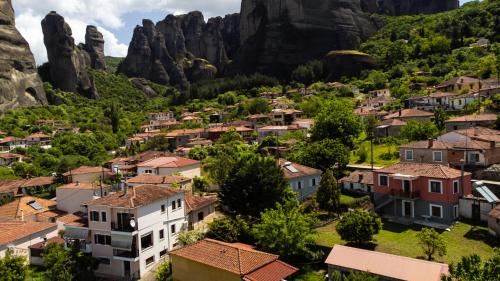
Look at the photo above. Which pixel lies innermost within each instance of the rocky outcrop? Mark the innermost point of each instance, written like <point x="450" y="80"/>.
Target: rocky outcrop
<point x="168" y="52"/>
<point x="19" y="81"/>
<point x="408" y="7"/>
<point x="346" y="63"/>
<point x="68" y="65"/>
<point x="94" y="46"/>
<point x="277" y="35"/>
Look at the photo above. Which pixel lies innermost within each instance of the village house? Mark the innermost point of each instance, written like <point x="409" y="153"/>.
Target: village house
<point x="458" y="84"/>
<point x="410" y="114"/>
<point x="258" y="119"/>
<point x="470" y="121"/>
<point x="10" y="143"/>
<point x="17" y="236"/>
<point x="458" y="102"/>
<point x="170" y="165"/>
<point x="385" y="266"/>
<point x="128" y="165"/>
<point x="156" y="116"/>
<point x="88" y="174"/>
<point x="215" y="133"/>
<point x="380" y="93"/>
<point x="432" y="101"/>
<point x="71" y="197"/>
<point x="365" y="111"/>
<point x="278" y="131"/>
<point x="304" y="123"/>
<point x="379" y="101"/>
<point x="40" y="139"/>
<point x="7" y="159"/>
<point x="303" y="180"/>
<point x="163" y="181"/>
<point x="161" y="124"/>
<point x="199" y="211"/>
<point x="284" y="117"/>
<point x="26" y="208"/>
<point x="212" y="260"/>
<point x="419" y="192"/>
<point x="13" y="188"/>
<point x="132" y="230"/>
<point x="36" y="250"/>
<point x="494" y="221"/>
<point x="389" y="128"/>
<point x="181" y="137"/>
<point x="358" y="181"/>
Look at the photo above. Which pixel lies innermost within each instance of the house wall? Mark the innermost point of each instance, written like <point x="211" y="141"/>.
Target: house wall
<point x="187" y="270"/>
<point x="466" y="208"/>
<point x="423" y="156"/>
<point x="187" y="171"/>
<point x="21" y="245"/>
<point x="356" y="186"/>
<point x="494" y="226"/>
<point x="208" y="214"/>
<point x="70" y="200"/>
<point x="307" y="187"/>
<point x="89" y="177"/>
<point x="452" y="126"/>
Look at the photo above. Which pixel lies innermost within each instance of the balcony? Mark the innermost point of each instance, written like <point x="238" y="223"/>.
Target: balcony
<point x="132" y="255"/>
<point x="401" y="194"/>
<point x="122" y="227"/>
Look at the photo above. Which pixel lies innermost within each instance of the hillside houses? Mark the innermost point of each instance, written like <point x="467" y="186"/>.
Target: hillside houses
<point x="470" y="121"/>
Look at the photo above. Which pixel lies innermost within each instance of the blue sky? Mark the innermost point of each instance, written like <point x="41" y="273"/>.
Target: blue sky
<point x="116" y="19"/>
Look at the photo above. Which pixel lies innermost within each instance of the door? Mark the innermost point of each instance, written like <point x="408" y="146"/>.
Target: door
<point x="476" y="212"/>
<point x="406" y="187"/>
<point x="408" y="209"/>
<point x="126" y="268"/>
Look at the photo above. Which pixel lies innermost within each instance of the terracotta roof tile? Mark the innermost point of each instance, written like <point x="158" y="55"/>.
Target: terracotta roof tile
<point x="82" y="185"/>
<point x="225" y="256"/>
<point x="41" y="245"/>
<point x="435" y="144"/>
<point x="168" y="162"/>
<point x="194" y="203"/>
<point x="76" y="219"/>
<point x="87" y="170"/>
<point x="302" y="171"/>
<point x="473" y="118"/>
<point x="408" y="113"/>
<point x="24" y="206"/>
<point x="423" y="170"/>
<point x="364" y="177"/>
<point x="275" y="271"/>
<point x="135" y="196"/>
<point x="154" y="179"/>
<point x="12" y="231"/>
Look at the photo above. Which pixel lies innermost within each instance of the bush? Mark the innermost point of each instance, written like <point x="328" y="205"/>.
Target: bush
<point x="359" y="226"/>
<point x="362" y="154"/>
<point x="164" y="272"/>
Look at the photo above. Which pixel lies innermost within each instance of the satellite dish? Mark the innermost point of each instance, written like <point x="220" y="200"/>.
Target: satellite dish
<point x="132" y="223"/>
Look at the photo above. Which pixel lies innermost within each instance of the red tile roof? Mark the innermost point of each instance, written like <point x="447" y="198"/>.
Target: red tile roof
<point x="422" y="170"/>
<point x="11" y="156"/>
<point x="168" y="162"/>
<point x="16" y="230"/>
<point x="408" y="113"/>
<point x="154" y="179"/>
<point x="135" y="196"/>
<point x="302" y="171"/>
<point x="194" y="203"/>
<point x="275" y="271"/>
<point x="235" y="258"/>
<point x="16" y="185"/>
<point x="435" y="144"/>
<point x="21" y="207"/>
<point x="41" y="245"/>
<point x="87" y="170"/>
<point x="364" y="177"/>
<point x="474" y="118"/>
<point x="76" y="219"/>
<point x="82" y="185"/>
<point x="386" y="265"/>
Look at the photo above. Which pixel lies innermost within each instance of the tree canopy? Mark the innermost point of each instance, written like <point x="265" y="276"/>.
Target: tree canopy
<point x="359" y="226"/>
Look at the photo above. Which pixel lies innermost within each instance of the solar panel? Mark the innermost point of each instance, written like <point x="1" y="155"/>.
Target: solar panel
<point x="35" y="205"/>
<point x="291" y="168"/>
<point x="486" y="193"/>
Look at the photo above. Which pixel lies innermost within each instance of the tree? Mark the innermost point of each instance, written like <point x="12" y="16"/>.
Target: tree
<point x="164" y="272"/>
<point x="321" y="155"/>
<point x="253" y="184"/>
<point x="473" y="268"/>
<point x="157" y="143"/>
<point x="13" y="268"/>
<point x="189" y="237"/>
<point x="200" y="184"/>
<point x="228" y="229"/>
<point x="113" y="113"/>
<point x="336" y="122"/>
<point x="359" y="226"/>
<point x="286" y="231"/>
<point x="418" y="131"/>
<point x="440" y="117"/>
<point x="431" y="242"/>
<point x="58" y="262"/>
<point x="328" y="195"/>
<point x="230" y="136"/>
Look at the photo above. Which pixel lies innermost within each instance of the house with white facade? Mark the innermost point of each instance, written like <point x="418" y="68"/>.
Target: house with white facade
<point x="303" y="180"/>
<point x="170" y="165"/>
<point x="132" y="230"/>
<point x="17" y="236"/>
<point x="72" y="196"/>
<point x="358" y="181"/>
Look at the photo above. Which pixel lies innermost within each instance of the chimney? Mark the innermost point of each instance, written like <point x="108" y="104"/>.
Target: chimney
<point x="431" y="142"/>
<point x="400" y="112"/>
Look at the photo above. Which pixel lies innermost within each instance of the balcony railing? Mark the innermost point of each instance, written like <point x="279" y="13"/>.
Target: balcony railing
<point x="134" y="253"/>
<point x="122" y="228"/>
<point x="405" y="194"/>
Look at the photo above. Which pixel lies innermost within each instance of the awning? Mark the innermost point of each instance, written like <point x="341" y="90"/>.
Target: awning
<point x="76" y="233"/>
<point x="121" y="242"/>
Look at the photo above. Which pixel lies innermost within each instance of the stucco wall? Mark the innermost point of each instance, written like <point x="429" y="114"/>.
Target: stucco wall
<point x="187" y="270"/>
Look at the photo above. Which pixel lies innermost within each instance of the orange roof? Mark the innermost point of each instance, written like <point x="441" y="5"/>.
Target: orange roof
<point x="154" y="179"/>
<point x="26" y="205"/>
<point x="225" y="256"/>
<point x="408" y="113"/>
<point x="423" y="170"/>
<point x="75" y="219"/>
<point x="225" y="129"/>
<point x="168" y="162"/>
<point x="38" y="135"/>
<point x="364" y="177"/>
<point x="87" y="170"/>
<point x="194" y="203"/>
<point x="41" y="245"/>
<point x="275" y="271"/>
<point x="15" y="185"/>
<point x="136" y="196"/>
<point x="386" y="265"/>
<point x="474" y="118"/>
<point x="82" y="185"/>
<point x="17" y="230"/>
<point x="301" y="170"/>
<point x="281" y="128"/>
<point x="286" y="111"/>
<point x="434" y="144"/>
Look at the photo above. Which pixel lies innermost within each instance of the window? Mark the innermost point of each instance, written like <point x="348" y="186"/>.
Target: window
<point x="147" y="241"/>
<point x="383" y="180"/>
<point x="436" y="211"/>
<point x="173" y="205"/>
<point x="313" y="182"/>
<point x="102" y="239"/>
<point x="409" y="155"/>
<point x="435" y="187"/>
<point x="162" y="234"/>
<point x="103" y="216"/>
<point x="474" y="157"/>
<point x="104" y="261"/>
<point x="94" y="216"/>
<point x="163" y="208"/>
<point x="172" y="228"/>
<point x="455" y="187"/>
<point x="163" y="253"/>
<point x="437" y="156"/>
<point x="200" y="216"/>
<point x="150" y="260"/>
<point x="299" y="185"/>
<point x="148" y="171"/>
<point x="179" y="203"/>
<point x="455" y="212"/>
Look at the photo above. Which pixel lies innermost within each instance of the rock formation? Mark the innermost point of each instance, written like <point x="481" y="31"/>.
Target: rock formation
<point x="19" y="81"/>
<point x="408" y="7"/>
<point x="348" y="63"/>
<point x="68" y="64"/>
<point x="94" y="46"/>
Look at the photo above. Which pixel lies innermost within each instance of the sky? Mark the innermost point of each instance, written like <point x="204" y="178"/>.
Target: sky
<point x="115" y="19"/>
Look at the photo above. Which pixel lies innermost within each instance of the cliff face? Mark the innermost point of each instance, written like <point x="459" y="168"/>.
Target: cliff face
<point x="68" y="63"/>
<point x="277" y="35"/>
<point x="94" y="46"/>
<point x="19" y="81"/>
<point x="167" y="53"/>
<point x="408" y="7"/>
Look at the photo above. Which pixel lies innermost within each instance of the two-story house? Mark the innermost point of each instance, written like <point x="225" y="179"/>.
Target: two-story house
<point x="458" y="84"/>
<point x="130" y="231"/>
<point x="470" y="121"/>
<point x="420" y="192"/>
<point x="87" y="174"/>
<point x="170" y="165"/>
<point x="284" y="117"/>
<point x="303" y="180"/>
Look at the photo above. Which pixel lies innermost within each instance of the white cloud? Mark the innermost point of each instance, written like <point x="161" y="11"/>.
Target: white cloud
<point x="107" y="15"/>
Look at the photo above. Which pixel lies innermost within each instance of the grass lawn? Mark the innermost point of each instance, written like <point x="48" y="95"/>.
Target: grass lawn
<point x="378" y="150"/>
<point x="398" y="239"/>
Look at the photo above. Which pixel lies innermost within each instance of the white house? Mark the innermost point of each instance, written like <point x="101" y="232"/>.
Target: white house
<point x="18" y="236"/>
<point x="72" y="196"/>
<point x="303" y="180"/>
<point x="170" y="165"/>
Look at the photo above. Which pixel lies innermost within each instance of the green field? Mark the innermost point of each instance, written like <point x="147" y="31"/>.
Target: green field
<point x="378" y="151"/>
<point x="462" y="240"/>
